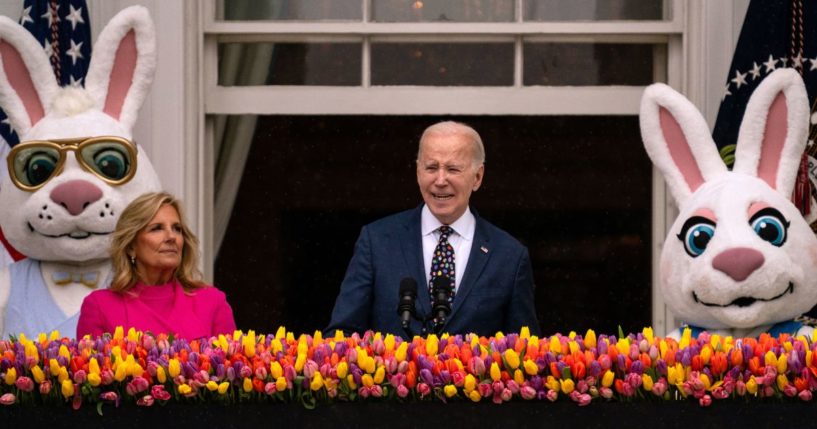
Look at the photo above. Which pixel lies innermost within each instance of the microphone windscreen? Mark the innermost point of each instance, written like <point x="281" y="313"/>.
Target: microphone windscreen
<point x="408" y="286"/>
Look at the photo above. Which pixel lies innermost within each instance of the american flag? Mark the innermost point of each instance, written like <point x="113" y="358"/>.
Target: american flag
<point x="63" y="29"/>
<point x="775" y="34"/>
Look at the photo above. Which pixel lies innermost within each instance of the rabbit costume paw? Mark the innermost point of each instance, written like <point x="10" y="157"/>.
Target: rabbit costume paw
<point x="74" y="171"/>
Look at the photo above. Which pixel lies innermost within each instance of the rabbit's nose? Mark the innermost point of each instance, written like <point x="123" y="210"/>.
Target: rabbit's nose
<point x="75" y="195"/>
<point x="738" y="263"/>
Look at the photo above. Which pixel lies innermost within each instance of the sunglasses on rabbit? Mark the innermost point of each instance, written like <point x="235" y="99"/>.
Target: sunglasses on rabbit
<point x="33" y="163"/>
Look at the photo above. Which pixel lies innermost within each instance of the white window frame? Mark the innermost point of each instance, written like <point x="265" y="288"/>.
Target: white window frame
<point x="176" y="125"/>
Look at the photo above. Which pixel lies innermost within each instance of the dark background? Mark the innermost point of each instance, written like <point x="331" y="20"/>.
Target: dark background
<point x="575" y="190"/>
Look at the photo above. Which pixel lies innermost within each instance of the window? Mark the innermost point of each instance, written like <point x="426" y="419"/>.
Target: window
<point x="314" y="109"/>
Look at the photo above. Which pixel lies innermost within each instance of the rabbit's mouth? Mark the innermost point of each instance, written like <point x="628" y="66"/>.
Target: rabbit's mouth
<point x="76" y="235"/>
<point x="745" y="301"/>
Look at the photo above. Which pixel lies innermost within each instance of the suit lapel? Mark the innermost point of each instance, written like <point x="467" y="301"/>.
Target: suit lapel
<point x="412" y="245"/>
<point x="477" y="260"/>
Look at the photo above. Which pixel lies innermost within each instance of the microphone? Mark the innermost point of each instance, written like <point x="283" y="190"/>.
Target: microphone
<point x="405" y="307"/>
<point x="441" y="308"/>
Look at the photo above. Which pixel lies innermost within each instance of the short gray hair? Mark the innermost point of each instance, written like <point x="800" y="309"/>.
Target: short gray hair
<point x="447" y="128"/>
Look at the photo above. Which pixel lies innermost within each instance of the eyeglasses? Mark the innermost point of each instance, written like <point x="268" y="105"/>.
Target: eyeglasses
<point x="33" y="163"/>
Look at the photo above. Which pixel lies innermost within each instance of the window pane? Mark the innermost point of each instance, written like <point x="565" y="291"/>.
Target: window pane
<point x="593" y="10"/>
<point x="557" y="64"/>
<point x="442" y="10"/>
<point x="575" y="190"/>
<point x="280" y="10"/>
<point x="243" y="64"/>
<point x="442" y="64"/>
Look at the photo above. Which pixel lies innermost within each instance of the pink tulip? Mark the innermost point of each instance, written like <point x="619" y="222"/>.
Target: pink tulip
<point x="402" y="391"/>
<point x="705" y="401"/>
<point x="270" y="389"/>
<point x="805" y="395"/>
<point x="485" y="389"/>
<point x="145" y="401"/>
<point x="8" y="399"/>
<point x="606" y="392"/>
<point x="376" y="391"/>
<point x="552" y="395"/>
<point x="363" y="392"/>
<point x="790" y="390"/>
<point x="25" y="384"/>
<point x="423" y="389"/>
<point x="45" y="387"/>
<point x="527" y="392"/>
<point x="158" y="391"/>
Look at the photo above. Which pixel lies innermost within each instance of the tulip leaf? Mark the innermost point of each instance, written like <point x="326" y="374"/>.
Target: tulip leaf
<point x="308" y="400"/>
<point x="566" y="373"/>
<point x="99" y="408"/>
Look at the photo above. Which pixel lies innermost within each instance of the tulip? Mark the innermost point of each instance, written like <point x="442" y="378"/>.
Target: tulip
<point x="567" y="386"/>
<point x="145" y="401"/>
<point x="423" y="389"/>
<point x="450" y="390"/>
<point x="67" y="388"/>
<point x="506" y="395"/>
<point x="11" y="376"/>
<point x="474" y="396"/>
<point x="174" y="368"/>
<point x="223" y="387"/>
<point x="25" y="384"/>
<point x="8" y="399"/>
<point x="38" y="374"/>
<point x="805" y="395"/>
<point x="751" y="386"/>
<point x="495" y="373"/>
<point x="705" y="401"/>
<point x="184" y="389"/>
<point x="247" y="385"/>
<point x="608" y="378"/>
<point x="552" y="395"/>
<point x="45" y="387"/>
<point x="80" y="377"/>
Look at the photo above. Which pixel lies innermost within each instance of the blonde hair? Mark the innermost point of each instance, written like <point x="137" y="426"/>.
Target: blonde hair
<point x="136" y="217"/>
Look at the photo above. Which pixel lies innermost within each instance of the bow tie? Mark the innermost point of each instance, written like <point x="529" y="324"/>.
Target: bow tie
<point x="90" y="278"/>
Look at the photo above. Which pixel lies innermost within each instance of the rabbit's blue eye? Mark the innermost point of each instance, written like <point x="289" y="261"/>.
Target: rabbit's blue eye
<point x="696" y="234"/>
<point x="39" y="168"/>
<point x="770" y="225"/>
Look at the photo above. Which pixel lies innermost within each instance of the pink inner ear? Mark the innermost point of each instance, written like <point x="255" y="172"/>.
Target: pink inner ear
<point x="121" y="75"/>
<point x="20" y="80"/>
<point x="774" y="138"/>
<point x="679" y="150"/>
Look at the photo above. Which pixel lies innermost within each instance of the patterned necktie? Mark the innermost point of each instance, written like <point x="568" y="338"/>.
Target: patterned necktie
<point x="442" y="262"/>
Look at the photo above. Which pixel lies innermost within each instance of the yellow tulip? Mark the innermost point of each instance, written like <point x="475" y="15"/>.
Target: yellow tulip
<point x="782" y="381"/>
<point x="275" y="369"/>
<point x="519" y="377"/>
<point x="94" y="379"/>
<point x="55" y="335"/>
<point x="11" y="376"/>
<point x="662" y="348"/>
<point x="555" y="345"/>
<point x="212" y="386"/>
<point x="686" y="337"/>
<point x="623" y="346"/>
<point x="290" y="338"/>
<point x="567" y="386"/>
<point x="93" y="366"/>
<point x="132" y="337"/>
<point x="118" y="333"/>
<point x="42" y="338"/>
<point x="222" y="342"/>
<point x="751" y="385"/>
<point x="317" y="338"/>
<point x="174" y="367"/>
<point x="530" y="367"/>
<point x="317" y="381"/>
<point x="706" y="353"/>
<point x="608" y="378"/>
<point x="342" y="370"/>
<point x="54" y="366"/>
<point x="367" y="380"/>
<point x="300" y="361"/>
<point x="450" y="390"/>
<point x="716" y="342"/>
<point x="782" y="364"/>
<point x="39" y="375"/>
<point x="533" y="342"/>
<point x="280" y="384"/>
<point x="247" y="384"/>
<point x="184" y="389"/>
<point x="249" y="344"/>
<point x="389" y="342"/>
<point x="400" y="353"/>
<point x="590" y="338"/>
<point x="474" y="340"/>
<point x="647" y="382"/>
<point x="770" y="358"/>
<point x="379" y="374"/>
<point x="495" y="373"/>
<point x="32" y="352"/>
<point x="705" y="379"/>
<point x="552" y="383"/>
<point x="161" y="375"/>
<point x="499" y="335"/>
<point x="573" y="346"/>
<point x="524" y="332"/>
<point x="809" y="355"/>
<point x="67" y="388"/>
<point x="339" y="337"/>
<point x="470" y="383"/>
<point x="223" y="387"/>
<point x="64" y="352"/>
<point x="648" y="334"/>
<point x="571" y="335"/>
<point x="512" y="358"/>
<point x="350" y="380"/>
<point x="431" y="345"/>
<point x="368" y="365"/>
<point x="475" y="396"/>
<point x="120" y="373"/>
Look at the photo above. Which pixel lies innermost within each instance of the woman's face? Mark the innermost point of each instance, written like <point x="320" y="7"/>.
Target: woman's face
<point x="158" y="246"/>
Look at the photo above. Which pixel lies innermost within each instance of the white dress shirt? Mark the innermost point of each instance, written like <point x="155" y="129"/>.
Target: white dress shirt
<point x="460" y="239"/>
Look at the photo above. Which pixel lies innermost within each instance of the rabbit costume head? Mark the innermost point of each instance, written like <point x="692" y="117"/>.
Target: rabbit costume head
<point x="76" y="167"/>
<point x="739" y="255"/>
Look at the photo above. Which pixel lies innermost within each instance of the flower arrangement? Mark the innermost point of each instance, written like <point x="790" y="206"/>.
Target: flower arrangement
<point x="146" y="369"/>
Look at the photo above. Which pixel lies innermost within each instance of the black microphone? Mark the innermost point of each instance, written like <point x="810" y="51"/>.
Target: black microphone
<point x="441" y="308"/>
<point x="405" y="307"/>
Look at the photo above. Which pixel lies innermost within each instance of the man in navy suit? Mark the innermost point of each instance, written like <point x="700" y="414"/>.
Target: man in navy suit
<point x="486" y="272"/>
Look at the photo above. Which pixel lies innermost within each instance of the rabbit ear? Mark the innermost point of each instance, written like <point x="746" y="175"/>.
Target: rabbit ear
<point x="122" y="65"/>
<point x="27" y="84"/>
<point x="774" y="131"/>
<point x="677" y="140"/>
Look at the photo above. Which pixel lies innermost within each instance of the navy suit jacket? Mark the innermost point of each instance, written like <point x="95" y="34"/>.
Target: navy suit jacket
<point x="495" y="294"/>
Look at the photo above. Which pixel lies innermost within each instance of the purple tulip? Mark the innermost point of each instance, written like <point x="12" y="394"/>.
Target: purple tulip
<point x="426" y="376"/>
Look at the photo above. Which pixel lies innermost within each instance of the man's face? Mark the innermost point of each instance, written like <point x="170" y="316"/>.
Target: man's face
<point x="447" y="176"/>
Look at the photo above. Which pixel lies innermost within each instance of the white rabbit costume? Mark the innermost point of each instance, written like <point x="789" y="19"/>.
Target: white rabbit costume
<point x="739" y="259"/>
<point x="64" y="226"/>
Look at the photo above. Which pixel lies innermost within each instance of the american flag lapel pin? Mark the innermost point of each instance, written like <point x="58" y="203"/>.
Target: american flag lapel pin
<point x="484" y="249"/>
